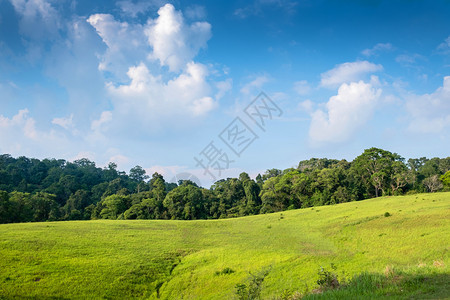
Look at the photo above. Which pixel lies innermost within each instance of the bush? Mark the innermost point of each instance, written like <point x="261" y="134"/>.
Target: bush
<point x="225" y="271"/>
<point x="251" y="290"/>
<point x="328" y="279"/>
<point x="387" y="214"/>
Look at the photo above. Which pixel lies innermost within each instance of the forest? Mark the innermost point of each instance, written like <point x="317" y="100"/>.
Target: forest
<point x="33" y="190"/>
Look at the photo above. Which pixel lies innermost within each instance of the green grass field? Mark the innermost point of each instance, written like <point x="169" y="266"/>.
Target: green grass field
<point x="180" y="259"/>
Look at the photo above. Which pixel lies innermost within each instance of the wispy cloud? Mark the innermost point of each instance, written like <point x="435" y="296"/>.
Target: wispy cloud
<point x="255" y="84"/>
<point x="348" y="72"/>
<point x="302" y="87"/>
<point x="259" y="6"/>
<point x="444" y="47"/>
<point x="377" y="49"/>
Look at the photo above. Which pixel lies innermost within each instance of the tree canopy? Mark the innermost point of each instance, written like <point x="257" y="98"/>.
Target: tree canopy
<point x="55" y="189"/>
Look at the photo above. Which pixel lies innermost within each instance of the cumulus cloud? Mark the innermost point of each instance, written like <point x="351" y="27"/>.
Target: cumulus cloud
<point x="126" y="43"/>
<point x="351" y="108"/>
<point x="163" y="82"/>
<point x="148" y="96"/>
<point x="348" y="72"/>
<point x="380" y="47"/>
<point x="174" y="42"/>
<point x="430" y="113"/>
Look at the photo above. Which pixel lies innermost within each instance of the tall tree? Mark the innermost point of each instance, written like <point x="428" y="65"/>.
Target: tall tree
<point x="374" y="168"/>
<point x="138" y="174"/>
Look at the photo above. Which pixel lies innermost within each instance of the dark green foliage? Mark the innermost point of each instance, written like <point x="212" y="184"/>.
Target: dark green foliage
<point x="387" y="214"/>
<point x="252" y="289"/>
<point x="50" y="189"/>
<point x="328" y="279"/>
<point x="5" y="207"/>
<point x="225" y="271"/>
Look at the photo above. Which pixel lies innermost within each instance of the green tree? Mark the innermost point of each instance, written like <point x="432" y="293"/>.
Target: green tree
<point x="185" y="202"/>
<point x="446" y="179"/>
<point x="138" y="174"/>
<point x="113" y="206"/>
<point x="44" y="207"/>
<point x="5" y="207"/>
<point x="22" y="208"/>
<point x="251" y="203"/>
<point x="75" y="205"/>
<point x="374" y="168"/>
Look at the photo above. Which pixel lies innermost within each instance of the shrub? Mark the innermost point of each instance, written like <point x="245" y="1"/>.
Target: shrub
<point x="387" y="214"/>
<point x="328" y="279"/>
<point x="251" y="290"/>
<point x="225" y="271"/>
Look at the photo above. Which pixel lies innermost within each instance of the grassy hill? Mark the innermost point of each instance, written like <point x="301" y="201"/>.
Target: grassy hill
<point x="407" y="251"/>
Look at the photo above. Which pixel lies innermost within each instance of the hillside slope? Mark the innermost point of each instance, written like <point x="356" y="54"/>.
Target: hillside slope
<point x="180" y="259"/>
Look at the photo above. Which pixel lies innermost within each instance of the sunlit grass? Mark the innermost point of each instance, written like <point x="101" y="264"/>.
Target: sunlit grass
<point x="179" y="259"/>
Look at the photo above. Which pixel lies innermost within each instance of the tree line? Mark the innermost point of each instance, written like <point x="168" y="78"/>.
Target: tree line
<point x="34" y="190"/>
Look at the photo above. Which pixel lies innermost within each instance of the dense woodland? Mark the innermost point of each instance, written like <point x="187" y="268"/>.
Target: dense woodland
<point x="34" y="190"/>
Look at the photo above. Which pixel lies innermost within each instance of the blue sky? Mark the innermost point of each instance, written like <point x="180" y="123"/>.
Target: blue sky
<point x="160" y="84"/>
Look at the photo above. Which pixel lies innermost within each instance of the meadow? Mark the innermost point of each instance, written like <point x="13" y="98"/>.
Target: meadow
<point x="396" y="247"/>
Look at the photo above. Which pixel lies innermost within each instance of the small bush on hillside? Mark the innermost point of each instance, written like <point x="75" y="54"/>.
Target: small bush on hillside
<point x="225" y="271"/>
<point x="252" y="289"/>
<point x="328" y="279"/>
<point x="387" y="214"/>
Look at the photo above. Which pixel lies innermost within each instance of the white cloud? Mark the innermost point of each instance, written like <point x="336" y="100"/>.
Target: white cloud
<point x="126" y="43"/>
<point x="20" y="122"/>
<point x="38" y="18"/>
<point x="156" y="79"/>
<point x="430" y="113"/>
<point x="302" y="87"/>
<point x="255" y="84"/>
<point x="20" y="136"/>
<point x="175" y="43"/>
<point x="347" y="72"/>
<point x="380" y="47"/>
<point x="66" y="123"/>
<point x="351" y="108"/>
<point x="223" y="87"/>
<point x="444" y="47"/>
<point x="105" y="118"/>
<point x="150" y="98"/>
<point x="408" y="59"/>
